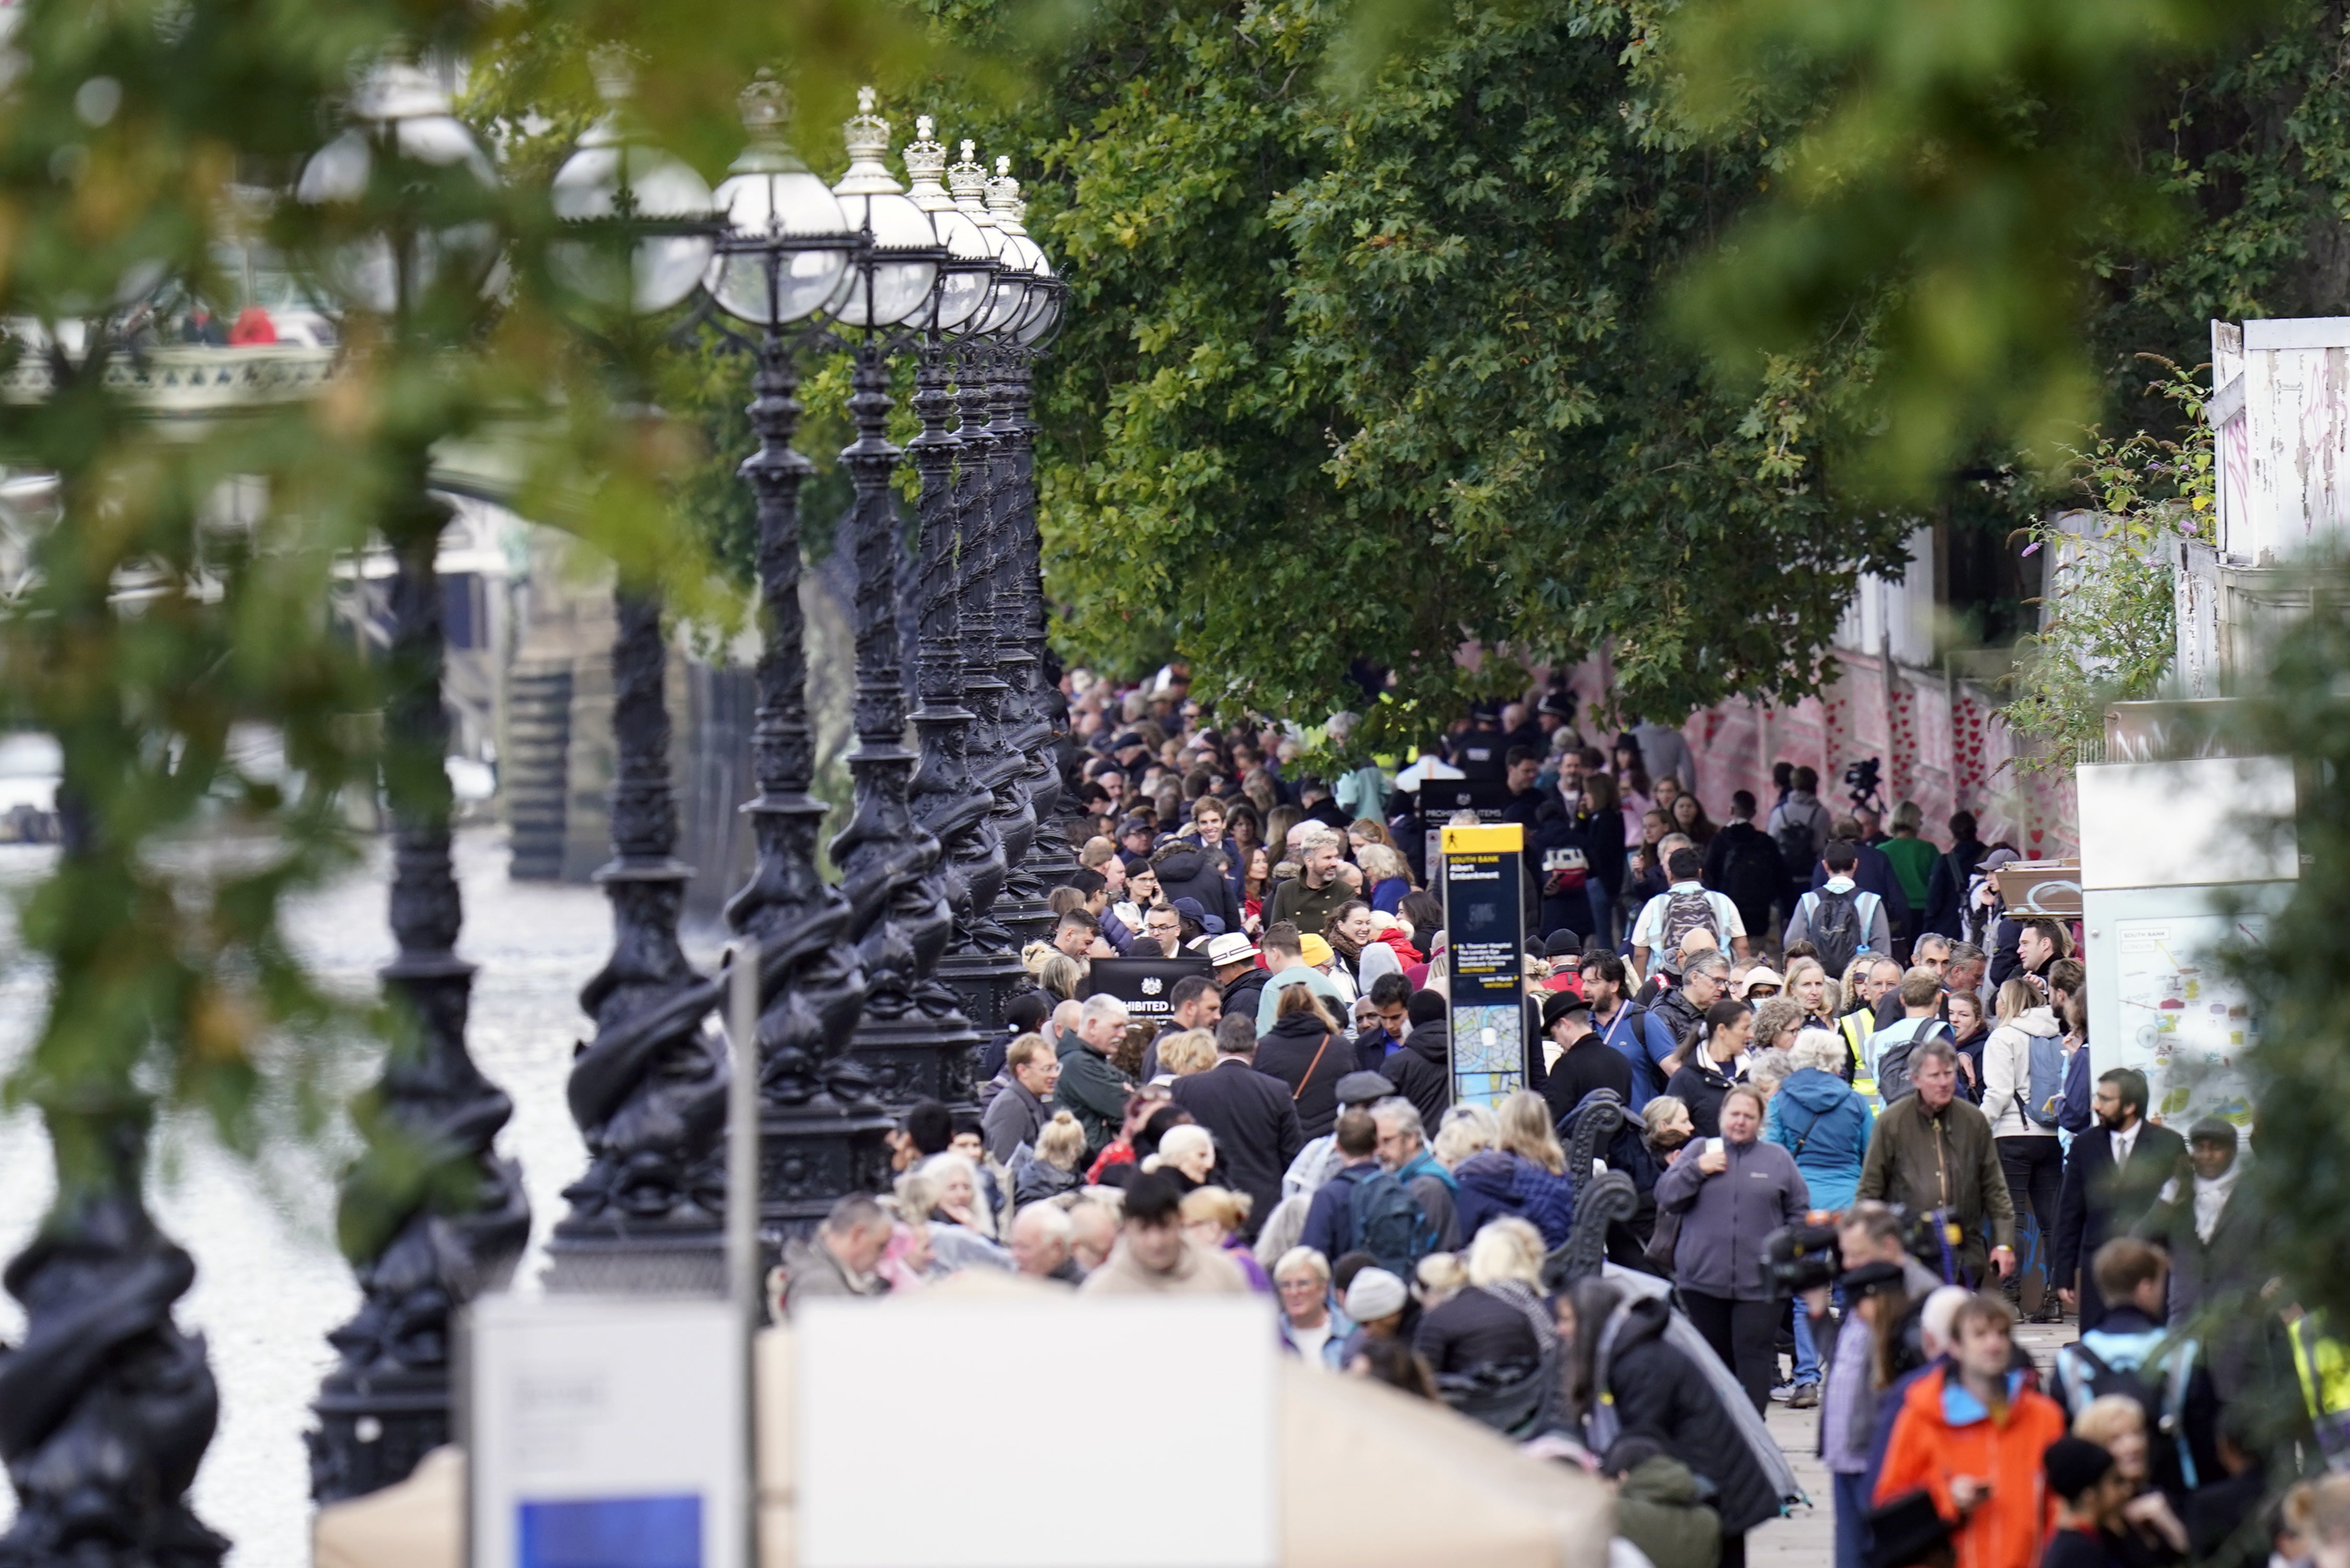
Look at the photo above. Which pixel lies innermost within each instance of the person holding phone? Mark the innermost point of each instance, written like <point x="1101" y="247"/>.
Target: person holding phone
<point x="1732" y="1192"/>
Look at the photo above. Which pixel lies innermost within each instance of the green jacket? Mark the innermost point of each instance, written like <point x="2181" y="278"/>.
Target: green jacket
<point x="1948" y="1160"/>
<point x="1092" y="1091"/>
<point x="1657" y="1510"/>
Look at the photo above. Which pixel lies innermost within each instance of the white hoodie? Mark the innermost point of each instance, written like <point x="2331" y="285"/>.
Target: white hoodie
<point x="2007" y="1072"/>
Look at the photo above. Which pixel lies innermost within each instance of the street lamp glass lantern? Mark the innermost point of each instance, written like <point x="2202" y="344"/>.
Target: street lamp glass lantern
<point x="1008" y="294"/>
<point x="892" y="274"/>
<point x="1041" y="306"/>
<point x="786" y="244"/>
<point x="967" y="274"/>
<point x="401" y="118"/>
<point x="645" y="216"/>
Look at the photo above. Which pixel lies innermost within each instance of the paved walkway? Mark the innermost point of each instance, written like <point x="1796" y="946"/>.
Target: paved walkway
<point x="1806" y="1538"/>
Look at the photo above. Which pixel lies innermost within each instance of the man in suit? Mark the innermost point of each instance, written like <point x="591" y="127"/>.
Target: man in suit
<point x="1251" y="1114"/>
<point x="2112" y="1178"/>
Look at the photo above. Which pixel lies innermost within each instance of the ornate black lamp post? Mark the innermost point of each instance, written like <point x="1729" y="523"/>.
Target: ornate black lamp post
<point x="782" y="257"/>
<point x="386" y="1403"/>
<point x="648" y="1092"/>
<point x="946" y="798"/>
<point x="1004" y="769"/>
<point x="913" y="1035"/>
<point x="1020" y="605"/>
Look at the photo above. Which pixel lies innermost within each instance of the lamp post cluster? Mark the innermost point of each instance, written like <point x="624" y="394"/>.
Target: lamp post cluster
<point x="873" y="992"/>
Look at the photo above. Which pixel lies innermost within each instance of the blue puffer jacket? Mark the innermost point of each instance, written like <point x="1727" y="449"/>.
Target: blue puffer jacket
<point x="1493" y="1184"/>
<point x="1831" y="1122"/>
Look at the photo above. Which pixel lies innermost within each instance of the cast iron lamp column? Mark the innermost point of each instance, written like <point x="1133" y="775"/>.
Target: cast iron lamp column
<point x="781" y="257"/>
<point x="913" y="1036"/>
<point x="432" y="1244"/>
<point x="945" y="797"/>
<point x="648" y="1092"/>
<point x="1021" y="912"/>
<point x="1020" y="606"/>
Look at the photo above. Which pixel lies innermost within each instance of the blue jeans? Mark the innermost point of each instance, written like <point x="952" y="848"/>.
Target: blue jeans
<point x="1807" y="1359"/>
<point x="1851" y="1521"/>
<point x="1603" y="914"/>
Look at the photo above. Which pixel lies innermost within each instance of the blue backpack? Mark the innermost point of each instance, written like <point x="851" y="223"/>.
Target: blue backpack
<point x="1386" y="1220"/>
<point x="2047" y="1086"/>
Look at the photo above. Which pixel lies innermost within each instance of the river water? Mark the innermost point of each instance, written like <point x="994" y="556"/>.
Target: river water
<point x="269" y="1283"/>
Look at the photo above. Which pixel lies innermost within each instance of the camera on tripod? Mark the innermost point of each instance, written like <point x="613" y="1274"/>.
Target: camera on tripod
<point x="1799" y="1258"/>
<point x="1863" y="783"/>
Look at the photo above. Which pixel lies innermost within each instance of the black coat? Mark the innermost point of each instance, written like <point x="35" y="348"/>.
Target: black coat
<point x="2098" y="1203"/>
<point x="1945" y="887"/>
<point x="1254" y="1123"/>
<point x="1701" y="1086"/>
<point x="1658" y="1394"/>
<point x="1191" y="872"/>
<point x="1306" y="1056"/>
<point x="1422" y="1071"/>
<point x="1474" y="1329"/>
<point x="1241" y="992"/>
<point x="1592" y="1063"/>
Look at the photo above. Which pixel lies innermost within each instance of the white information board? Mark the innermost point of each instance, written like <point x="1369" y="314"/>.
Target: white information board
<point x="2183" y="1022"/>
<point x="908" y="1408"/>
<point x="607" y="1433"/>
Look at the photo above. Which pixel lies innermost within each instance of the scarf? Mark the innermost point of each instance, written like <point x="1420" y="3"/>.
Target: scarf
<point x="2211" y="1198"/>
<point x="1350" y="951"/>
<point x="1535" y="1309"/>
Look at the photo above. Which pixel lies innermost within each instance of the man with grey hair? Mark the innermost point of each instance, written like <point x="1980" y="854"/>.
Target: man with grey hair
<point x="1403" y="1150"/>
<point x="1931" y="1152"/>
<point x="1705" y="980"/>
<point x="1040" y="1245"/>
<point x="1307" y="900"/>
<point x="1092" y="1089"/>
<point x="840" y="1260"/>
<point x="1965" y="969"/>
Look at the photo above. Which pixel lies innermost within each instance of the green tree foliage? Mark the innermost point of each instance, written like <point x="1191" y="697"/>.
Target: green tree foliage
<point x="1374" y="374"/>
<point x="174" y="609"/>
<point x="2108" y="627"/>
<point x="1961" y="175"/>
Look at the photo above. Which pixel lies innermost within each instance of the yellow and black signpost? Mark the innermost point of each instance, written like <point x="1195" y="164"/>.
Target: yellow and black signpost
<point x="1484" y="926"/>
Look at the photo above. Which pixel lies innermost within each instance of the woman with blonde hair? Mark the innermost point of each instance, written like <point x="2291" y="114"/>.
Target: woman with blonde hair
<point x="1821" y="998"/>
<point x="1465" y="1130"/>
<point x="1386" y="876"/>
<point x="1499" y="1319"/>
<point x="2031" y="1156"/>
<point x="1184" y="1052"/>
<point x="1053" y="1169"/>
<point x="1523" y="1176"/>
<point x="1214" y="1217"/>
<point x="2117" y="1423"/>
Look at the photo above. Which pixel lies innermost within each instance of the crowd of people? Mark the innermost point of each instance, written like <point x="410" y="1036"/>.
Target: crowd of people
<point x="1853" y="1097"/>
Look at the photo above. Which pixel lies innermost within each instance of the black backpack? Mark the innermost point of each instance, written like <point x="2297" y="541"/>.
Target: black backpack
<point x="1799" y="848"/>
<point x="2161" y="1402"/>
<point x="1834" y="927"/>
<point x="1751" y="875"/>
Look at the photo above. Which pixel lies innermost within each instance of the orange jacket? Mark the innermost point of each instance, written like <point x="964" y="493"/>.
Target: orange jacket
<point x="1944" y="1431"/>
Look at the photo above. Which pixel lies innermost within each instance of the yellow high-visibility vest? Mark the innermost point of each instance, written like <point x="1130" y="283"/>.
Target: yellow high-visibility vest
<point x="2324" y="1367"/>
<point x="1857" y="1028"/>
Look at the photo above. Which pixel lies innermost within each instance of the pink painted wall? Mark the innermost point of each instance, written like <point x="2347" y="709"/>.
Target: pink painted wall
<point x="1941" y="742"/>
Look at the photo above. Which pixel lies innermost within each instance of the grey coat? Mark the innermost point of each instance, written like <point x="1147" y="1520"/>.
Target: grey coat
<point x="1725" y="1218"/>
<point x="1013" y="1117"/>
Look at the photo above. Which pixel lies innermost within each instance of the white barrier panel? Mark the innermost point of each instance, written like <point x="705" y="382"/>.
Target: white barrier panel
<point x="908" y="1410"/>
<point x="606" y="1432"/>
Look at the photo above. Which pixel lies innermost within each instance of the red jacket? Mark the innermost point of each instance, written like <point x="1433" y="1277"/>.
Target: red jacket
<point x="1944" y="1431"/>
